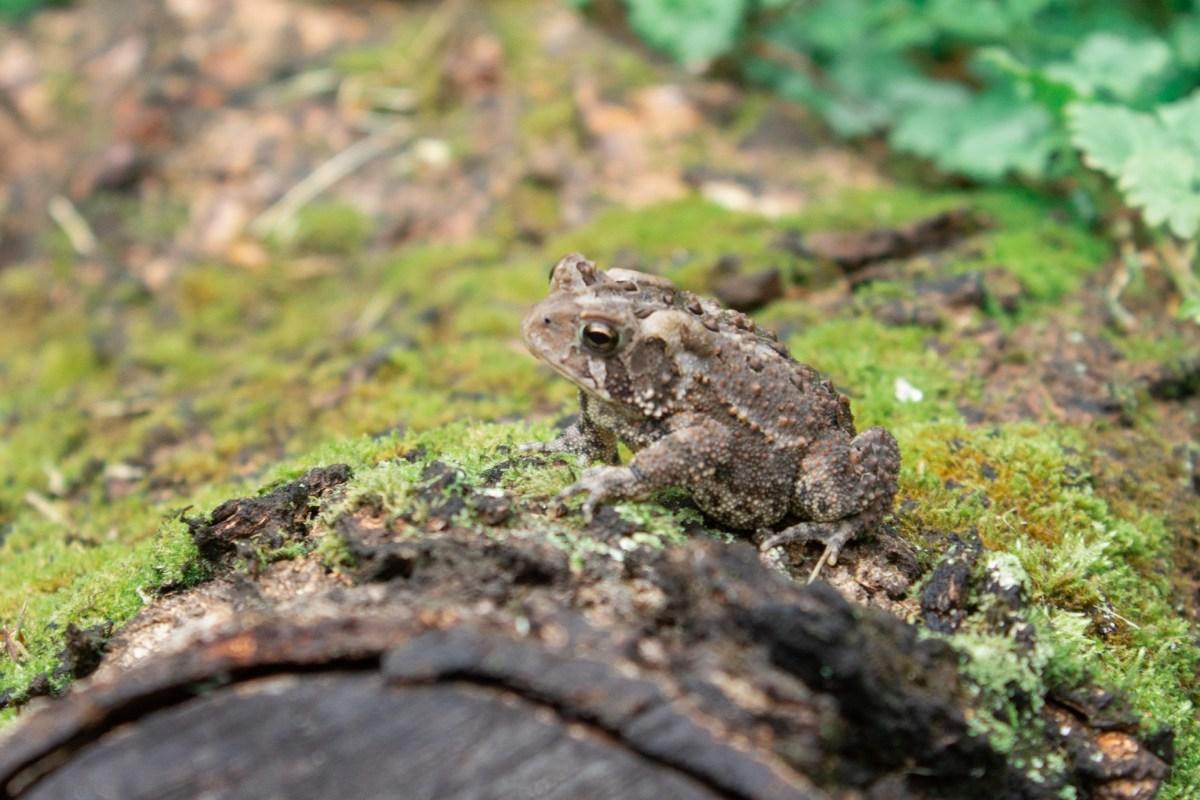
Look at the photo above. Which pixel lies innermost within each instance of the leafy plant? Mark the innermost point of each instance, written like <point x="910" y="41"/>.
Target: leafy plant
<point x="1154" y="157"/>
<point x="691" y="30"/>
<point x="19" y="9"/>
<point x="1041" y="90"/>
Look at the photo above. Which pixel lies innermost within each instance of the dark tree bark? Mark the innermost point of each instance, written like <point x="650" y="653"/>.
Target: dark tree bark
<point x="459" y="665"/>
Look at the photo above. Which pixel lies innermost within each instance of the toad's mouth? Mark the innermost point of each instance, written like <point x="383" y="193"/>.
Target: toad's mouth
<point x="587" y="380"/>
<point x="590" y="378"/>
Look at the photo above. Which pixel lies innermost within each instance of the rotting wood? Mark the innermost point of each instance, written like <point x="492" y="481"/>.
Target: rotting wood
<point x="694" y="672"/>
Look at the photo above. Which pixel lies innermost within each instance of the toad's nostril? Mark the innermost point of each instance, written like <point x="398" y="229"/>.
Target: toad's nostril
<point x="546" y="320"/>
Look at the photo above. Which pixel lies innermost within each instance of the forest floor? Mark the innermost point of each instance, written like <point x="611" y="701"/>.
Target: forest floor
<point x="240" y="244"/>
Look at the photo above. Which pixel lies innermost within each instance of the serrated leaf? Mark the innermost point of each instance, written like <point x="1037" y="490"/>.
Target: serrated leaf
<point x="970" y="19"/>
<point x="798" y="86"/>
<point x="923" y="128"/>
<point x="693" y="31"/>
<point x="1184" y="35"/>
<point x="847" y="26"/>
<point x="860" y="102"/>
<point x="1108" y="135"/>
<point x="1024" y="11"/>
<point x="1182" y="121"/>
<point x="911" y="91"/>
<point x="997" y="138"/>
<point x="1189" y="309"/>
<point x="1031" y="83"/>
<point x="982" y="137"/>
<point x="1165" y="185"/>
<point x="853" y="116"/>
<point x="1114" y="65"/>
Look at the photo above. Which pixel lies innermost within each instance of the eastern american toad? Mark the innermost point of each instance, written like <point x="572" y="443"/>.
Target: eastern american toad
<point x="710" y="403"/>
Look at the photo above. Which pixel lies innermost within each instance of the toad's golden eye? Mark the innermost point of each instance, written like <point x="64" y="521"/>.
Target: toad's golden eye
<point x="599" y="337"/>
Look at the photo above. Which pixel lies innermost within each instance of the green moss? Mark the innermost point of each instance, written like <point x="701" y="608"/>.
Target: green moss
<point x="549" y="121"/>
<point x="1102" y="605"/>
<point x="399" y="493"/>
<point x="84" y="584"/>
<point x="333" y="552"/>
<point x="1030" y="236"/>
<point x="681" y="239"/>
<point x="997" y="672"/>
<point x="531" y="213"/>
<point x="873" y="362"/>
<point x="331" y="228"/>
<point x="1158" y="349"/>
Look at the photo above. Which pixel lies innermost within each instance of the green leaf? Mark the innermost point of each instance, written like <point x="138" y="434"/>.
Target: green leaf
<point x="1189" y="309"/>
<point x="19" y="9"/>
<point x="1034" y="84"/>
<point x="1024" y="11"/>
<point x="693" y="31"/>
<point x="863" y="27"/>
<point x="971" y="19"/>
<point x="923" y="130"/>
<point x="861" y="103"/>
<point x="983" y="137"/>
<point x="997" y="137"/>
<point x="1182" y="121"/>
<point x="1184" y="35"/>
<point x="1165" y="185"/>
<point x="1109" y="135"/>
<point x="1109" y="64"/>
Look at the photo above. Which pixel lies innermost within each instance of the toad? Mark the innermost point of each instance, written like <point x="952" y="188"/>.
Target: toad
<point x="710" y="403"/>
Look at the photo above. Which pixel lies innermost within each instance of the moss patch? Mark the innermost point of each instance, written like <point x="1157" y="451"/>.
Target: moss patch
<point x="1101" y="600"/>
<point x="331" y="228"/>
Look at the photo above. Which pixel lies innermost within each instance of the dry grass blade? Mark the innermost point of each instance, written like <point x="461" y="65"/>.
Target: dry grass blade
<point x="280" y="216"/>
<point x="78" y="232"/>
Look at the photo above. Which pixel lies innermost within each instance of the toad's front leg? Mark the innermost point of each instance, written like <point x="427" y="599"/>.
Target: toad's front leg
<point x="686" y="457"/>
<point x="584" y="439"/>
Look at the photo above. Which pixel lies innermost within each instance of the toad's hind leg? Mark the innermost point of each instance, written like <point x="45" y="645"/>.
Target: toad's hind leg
<point x="845" y="486"/>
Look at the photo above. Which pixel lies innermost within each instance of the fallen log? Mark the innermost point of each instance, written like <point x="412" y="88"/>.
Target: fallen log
<point x="456" y="665"/>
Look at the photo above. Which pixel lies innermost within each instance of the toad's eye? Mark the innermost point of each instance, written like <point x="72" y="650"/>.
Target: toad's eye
<point x="599" y="337"/>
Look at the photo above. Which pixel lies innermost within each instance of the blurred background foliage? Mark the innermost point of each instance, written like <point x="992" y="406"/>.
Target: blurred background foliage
<point x="19" y="9"/>
<point x="1097" y="100"/>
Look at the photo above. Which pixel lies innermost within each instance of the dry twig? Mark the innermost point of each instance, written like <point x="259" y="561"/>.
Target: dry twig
<point x="78" y="232"/>
<point x="281" y="216"/>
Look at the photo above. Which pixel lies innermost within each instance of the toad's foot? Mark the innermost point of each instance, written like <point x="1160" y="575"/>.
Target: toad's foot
<point x="834" y="535"/>
<point x="602" y="485"/>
